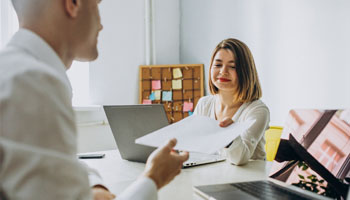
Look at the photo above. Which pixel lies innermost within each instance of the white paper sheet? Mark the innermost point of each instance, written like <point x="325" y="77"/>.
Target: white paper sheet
<point x="196" y="134"/>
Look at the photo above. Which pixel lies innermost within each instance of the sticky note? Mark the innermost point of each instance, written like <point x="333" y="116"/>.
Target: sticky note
<point x="156" y="85"/>
<point x="190" y="113"/>
<point x="177" y="84"/>
<point x="167" y="96"/>
<point x="188" y="106"/>
<point x="146" y="101"/>
<point x="152" y="96"/>
<point x="157" y="94"/>
<point x="177" y="73"/>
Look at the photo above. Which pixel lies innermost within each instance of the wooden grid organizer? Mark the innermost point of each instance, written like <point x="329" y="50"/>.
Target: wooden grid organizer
<point x="192" y="87"/>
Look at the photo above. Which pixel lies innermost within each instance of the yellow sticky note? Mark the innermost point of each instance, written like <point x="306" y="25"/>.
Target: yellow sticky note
<point x="177" y="84"/>
<point x="177" y="73"/>
<point x="157" y="94"/>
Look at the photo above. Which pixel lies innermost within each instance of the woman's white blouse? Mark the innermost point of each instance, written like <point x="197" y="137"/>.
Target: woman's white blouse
<point x="251" y="143"/>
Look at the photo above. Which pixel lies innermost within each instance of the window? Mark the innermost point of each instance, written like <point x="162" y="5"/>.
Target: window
<point x="78" y="73"/>
<point x="330" y="155"/>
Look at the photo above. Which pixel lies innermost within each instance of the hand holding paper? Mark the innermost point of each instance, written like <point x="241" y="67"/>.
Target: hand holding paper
<point x="196" y="134"/>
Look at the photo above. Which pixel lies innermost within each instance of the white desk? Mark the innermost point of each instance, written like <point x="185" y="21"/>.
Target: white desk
<point x="118" y="174"/>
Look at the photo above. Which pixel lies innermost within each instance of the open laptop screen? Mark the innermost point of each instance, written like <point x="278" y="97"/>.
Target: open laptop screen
<point x="325" y="134"/>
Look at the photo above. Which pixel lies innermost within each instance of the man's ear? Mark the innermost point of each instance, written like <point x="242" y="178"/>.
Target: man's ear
<point x="72" y="7"/>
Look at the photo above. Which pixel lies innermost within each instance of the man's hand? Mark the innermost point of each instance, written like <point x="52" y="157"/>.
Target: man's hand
<point x="101" y="193"/>
<point x="164" y="164"/>
<point x="226" y="122"/>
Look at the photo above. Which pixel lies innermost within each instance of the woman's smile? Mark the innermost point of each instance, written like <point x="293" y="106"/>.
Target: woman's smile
<point x="224" y="80"/>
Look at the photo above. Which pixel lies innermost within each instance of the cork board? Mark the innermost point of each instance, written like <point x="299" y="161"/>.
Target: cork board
<point x="177" y="87"/>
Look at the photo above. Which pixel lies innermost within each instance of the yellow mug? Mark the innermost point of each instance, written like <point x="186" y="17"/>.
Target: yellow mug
<point x="272" y="137"/>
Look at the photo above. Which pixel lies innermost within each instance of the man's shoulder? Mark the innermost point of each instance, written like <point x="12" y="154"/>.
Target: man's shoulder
<point x="16" y="64"/>
<point x="11" y="54"/>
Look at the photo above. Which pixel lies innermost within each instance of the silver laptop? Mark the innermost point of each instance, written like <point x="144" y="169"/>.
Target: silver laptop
<point x="129" y="122"/>
<point x="321" y="139"/>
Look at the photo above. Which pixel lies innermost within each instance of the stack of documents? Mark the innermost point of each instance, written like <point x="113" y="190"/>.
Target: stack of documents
<point x="196" y="134"/>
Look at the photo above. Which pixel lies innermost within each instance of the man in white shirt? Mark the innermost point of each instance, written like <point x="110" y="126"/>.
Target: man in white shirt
<point x="37" y="125"/>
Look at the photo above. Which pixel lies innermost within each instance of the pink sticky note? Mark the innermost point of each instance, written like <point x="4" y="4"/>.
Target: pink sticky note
<point x="156" y="85"/>
<point x="147" y="101"/>
<point x="188" y="106"/>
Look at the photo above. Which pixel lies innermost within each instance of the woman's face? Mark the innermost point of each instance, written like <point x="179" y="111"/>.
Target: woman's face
<point x="223" y="71"/>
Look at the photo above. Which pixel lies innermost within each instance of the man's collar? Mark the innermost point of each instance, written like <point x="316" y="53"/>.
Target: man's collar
<point x="36" y="46"/>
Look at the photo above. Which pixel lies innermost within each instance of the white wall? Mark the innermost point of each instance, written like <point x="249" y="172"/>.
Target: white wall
<point x="94" y="132"/>
<point x="167" y="31"/>
<point x="92" y="138"/>
<point x="114" y="75"/>
<point x="301" y="47"/>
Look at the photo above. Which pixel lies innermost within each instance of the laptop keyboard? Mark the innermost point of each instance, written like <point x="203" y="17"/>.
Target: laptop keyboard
<point x="267" y="190"/>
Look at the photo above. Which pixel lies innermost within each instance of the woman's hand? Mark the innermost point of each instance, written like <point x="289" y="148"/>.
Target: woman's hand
<point x="226" y="122"/>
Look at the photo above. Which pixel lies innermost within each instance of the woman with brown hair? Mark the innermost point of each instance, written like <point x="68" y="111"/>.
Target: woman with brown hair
<point x="235" y="93"/>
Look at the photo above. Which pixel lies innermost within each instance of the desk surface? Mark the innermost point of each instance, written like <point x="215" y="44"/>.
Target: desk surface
<point x="118" y="174"/>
